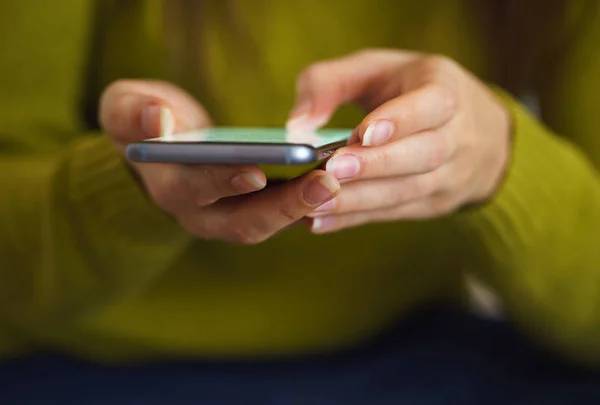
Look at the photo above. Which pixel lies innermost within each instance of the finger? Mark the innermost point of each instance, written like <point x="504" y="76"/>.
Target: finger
<point x="253" y="219"/>
<point x="181" y="189"/>
<point x="363" y="77"/>
<point x="379" y="194"/>
<point x="426" y="208"/>
<point x="426" y="108"/>
<point x="416" y="154"/>
<point x="133" y="110"/>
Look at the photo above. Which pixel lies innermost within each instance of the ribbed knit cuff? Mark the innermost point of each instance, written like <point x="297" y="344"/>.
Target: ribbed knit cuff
<point x="103" y="188"/>
<point x="538" y="182"/>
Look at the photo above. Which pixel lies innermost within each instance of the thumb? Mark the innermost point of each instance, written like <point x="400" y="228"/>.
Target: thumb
<point x="134" y="110"/>
<point x="363" y="77"/>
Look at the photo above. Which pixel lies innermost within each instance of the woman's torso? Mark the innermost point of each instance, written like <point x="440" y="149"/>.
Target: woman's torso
<point x="296" y="292"/>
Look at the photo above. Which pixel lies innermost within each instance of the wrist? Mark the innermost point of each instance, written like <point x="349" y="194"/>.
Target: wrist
<point x="497" y="160"/>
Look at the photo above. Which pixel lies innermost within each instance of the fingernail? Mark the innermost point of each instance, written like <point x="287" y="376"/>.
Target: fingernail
<point x="167" y="123"/>
<point x="322" y="224"/>
<point x="151" y="120"/>
<point x="303" y="107"/>
<point x="328" y="206"/>
<point x="155" y="118"/>
<point x="305" y="122"/>
<point x="343" y="166"/>
<point x="378" y="133"/>
<point x="296" y="122"/>
<point x="321" y="189"/>
<point x="248" y="182"/>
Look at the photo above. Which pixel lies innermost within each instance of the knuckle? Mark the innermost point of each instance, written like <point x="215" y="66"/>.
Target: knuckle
<point x="437" y="151"/>
<point x="311" y="76"/>
<point x="406" y="116"/>
<point x="450" y="179"/>
<point x="446" y="100"/>
<point x="289" y="212"/>
<point x="216" y="181"/>
<point x="435" y="62"/>
<point x="114" y="113"/>
<point x="437" y="181"/>
<point x="246" y="235"/>
<point x="410" y="191"/>
<point x="190" y="189"/>
<point x="441" y="205"/>
<point x="209" y="228"/>
<point x="383" y="162"/>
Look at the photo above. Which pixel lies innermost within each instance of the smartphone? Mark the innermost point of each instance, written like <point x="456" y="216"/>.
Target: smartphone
<point x="240" y="146"/>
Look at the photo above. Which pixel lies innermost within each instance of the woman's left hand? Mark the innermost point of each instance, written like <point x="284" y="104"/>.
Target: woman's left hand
<point x="436" y="138"/>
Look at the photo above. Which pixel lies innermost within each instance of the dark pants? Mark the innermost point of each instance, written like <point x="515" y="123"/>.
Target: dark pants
<point x="439" y="357"/>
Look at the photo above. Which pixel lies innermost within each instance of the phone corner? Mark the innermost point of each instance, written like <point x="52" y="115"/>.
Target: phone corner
<point x="301" y="155"/>
<point x="136" y="152"/>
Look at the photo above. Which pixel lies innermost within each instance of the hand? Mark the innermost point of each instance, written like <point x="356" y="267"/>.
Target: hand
<point x="211" y="202"/>
<point x="435" y="140"/>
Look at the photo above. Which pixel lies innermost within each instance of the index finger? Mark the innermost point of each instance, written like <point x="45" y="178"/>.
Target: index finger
<point x="426" y="108"/>
<point x="363" y="77"/>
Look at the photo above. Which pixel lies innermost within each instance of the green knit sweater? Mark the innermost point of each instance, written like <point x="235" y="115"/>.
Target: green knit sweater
<point x="90" y="267"/>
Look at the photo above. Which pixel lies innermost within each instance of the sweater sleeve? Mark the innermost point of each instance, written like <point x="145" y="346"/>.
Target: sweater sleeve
<point x="537" y="243"/>
<point x="76" y="231"/>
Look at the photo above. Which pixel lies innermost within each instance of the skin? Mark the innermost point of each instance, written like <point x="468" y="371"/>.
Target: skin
<point x="435" y="139"/>
<point x="211" y="202"/>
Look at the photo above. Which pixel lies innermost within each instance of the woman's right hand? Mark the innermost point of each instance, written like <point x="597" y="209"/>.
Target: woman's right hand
<point x="195" y="195"/>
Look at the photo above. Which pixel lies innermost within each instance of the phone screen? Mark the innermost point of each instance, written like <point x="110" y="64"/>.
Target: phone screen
<point x="315" y="139"/>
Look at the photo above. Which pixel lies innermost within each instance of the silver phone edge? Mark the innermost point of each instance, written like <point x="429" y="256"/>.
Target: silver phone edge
<point x="227" y="154"/>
